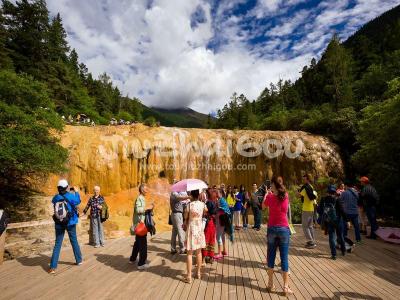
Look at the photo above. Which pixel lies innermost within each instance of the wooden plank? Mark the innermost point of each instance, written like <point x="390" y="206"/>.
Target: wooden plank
<point x="347" y="264"/>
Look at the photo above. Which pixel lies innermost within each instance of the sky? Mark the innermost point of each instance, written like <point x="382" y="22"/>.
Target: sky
<point x="196" y="53"/>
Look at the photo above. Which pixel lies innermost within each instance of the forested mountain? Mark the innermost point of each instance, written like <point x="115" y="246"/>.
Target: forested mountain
<point x="352" y="95"/>
<point x="180" y="117"/>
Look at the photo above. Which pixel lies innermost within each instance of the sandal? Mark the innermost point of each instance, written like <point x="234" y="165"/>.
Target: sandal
<point x="270" y="288"/>
<point x="198" y="276"/>
<point x="188" y="280"/>
<point x="287" y="291"/>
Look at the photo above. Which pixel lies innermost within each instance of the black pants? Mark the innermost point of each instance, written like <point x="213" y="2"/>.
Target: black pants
<point x="140" y="247"/>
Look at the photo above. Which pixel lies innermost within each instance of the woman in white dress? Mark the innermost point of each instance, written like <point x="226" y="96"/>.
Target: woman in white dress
<point x="195" y="239"/>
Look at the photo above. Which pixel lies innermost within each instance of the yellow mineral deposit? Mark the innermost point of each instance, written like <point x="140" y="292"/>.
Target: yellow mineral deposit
<point x="118" y="158"/>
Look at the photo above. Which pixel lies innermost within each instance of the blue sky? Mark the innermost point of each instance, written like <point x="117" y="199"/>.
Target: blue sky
<point x="196" y="53"/>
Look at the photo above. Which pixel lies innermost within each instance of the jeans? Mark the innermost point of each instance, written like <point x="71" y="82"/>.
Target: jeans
<point x="278" y="237"/>
<point x="371" y="215"/>
<point x="97" y="230"/>
<point x="60" y="230"/>
<point x="220" y="232"/>
<point x="245" y="217"/>
<point x="353" y="218"/>
<point x="257" y="216"/>
<point x="139" y="247"/>
<point x="335" y="233"/>
<point x="307" y="224"/>
<point x="177" y="230"/>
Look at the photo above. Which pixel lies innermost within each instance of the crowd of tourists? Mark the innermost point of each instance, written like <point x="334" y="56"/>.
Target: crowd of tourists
<point x="202" y="220"/>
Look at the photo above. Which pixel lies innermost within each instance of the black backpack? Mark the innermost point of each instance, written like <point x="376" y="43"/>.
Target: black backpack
<point x="310" y="191"/>
<point x="329" y="214"/>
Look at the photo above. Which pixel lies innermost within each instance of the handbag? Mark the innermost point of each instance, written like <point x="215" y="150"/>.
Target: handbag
<point x="141" y="229"/>
<point x="169" y="217"/>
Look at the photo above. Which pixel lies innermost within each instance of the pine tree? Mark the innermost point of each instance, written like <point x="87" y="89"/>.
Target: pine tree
<point x="5" y="60"/>
<point x="57" y="40"/>
<point x="27" y="25"/>
<point x="337" y="65"/>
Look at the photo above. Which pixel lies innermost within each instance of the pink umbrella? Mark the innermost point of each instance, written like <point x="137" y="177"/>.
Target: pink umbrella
<point x="187" y="185"/>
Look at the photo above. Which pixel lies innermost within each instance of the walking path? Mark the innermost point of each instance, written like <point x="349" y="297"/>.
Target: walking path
<point x="371" y="272"/>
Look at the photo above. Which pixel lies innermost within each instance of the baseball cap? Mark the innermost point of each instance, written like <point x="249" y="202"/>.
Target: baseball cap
<point x="62" y="183"/>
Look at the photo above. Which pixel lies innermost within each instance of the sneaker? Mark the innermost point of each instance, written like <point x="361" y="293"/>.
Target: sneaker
<point x="79" y="263"/>
<point x="183" y="251"/>
<point x="173" y="251"/>
<point x="333" y="257"/>
<point x="311" y="246"/>
<point x="143" y="267"/>
<point x="102" y="245"/>
<point x="132" y="261"/>
<point x="97" y="246"/>
<point x="52" y="271"/>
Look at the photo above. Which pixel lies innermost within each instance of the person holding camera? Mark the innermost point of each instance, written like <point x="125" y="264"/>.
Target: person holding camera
<point x="65" y="217"/>
<point x="95" y="204"/>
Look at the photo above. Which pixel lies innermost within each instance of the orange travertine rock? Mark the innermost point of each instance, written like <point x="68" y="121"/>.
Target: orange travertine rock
<point x="119" y="158"/>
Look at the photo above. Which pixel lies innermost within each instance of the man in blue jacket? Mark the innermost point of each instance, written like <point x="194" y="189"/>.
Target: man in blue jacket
<point x="72" y="199"/>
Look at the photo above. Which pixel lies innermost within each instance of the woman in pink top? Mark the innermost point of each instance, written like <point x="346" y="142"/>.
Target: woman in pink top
<point x="278" y="234"/>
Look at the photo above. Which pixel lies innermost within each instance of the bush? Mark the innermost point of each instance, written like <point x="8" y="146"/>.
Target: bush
<point x="150" y="121"/>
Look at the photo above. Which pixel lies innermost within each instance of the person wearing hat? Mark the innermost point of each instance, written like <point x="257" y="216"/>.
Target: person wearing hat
<point x="333" y="215"/>
<point x="369" y="198"/>
<point x="72" y="200"/>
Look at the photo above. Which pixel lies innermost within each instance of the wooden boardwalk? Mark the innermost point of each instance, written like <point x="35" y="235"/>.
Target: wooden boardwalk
<point x="371" y="272"/>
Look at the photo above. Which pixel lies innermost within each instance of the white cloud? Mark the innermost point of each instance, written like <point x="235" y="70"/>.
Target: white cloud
<point x="153" y="53"/>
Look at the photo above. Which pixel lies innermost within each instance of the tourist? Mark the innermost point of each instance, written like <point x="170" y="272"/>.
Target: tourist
<point x="176" y="201"/>
<point x="230" y="198"/>
<point x="244" y="198"/>
<point x="306" y="193"/>
<point x="210" y="227"/>
<point x="340" y="189"/>
<point x="237" y="209"/>
<point x="140" y="245"/>
<point x="333" y="215"/>
<point x="66" y="218"/>
<point x="349" y="199"/>
<point x="195" y="239"/>
<point x="370" y="200"/>
<point x="278" y="233"/>
<point x="223" y="224"/>
<point x="222" y="187"/>
<point x="256" y="206"/>
<point x="95" y="204"/>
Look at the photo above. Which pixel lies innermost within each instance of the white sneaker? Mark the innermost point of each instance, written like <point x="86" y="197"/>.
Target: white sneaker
<point x="143" y="267"/>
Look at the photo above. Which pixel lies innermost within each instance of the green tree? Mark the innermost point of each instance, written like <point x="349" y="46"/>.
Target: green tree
<point x="57" y="40"/>
<point x="5" y="60"/>
<point x="27" y="25"/>
<point x="27" y="148"/>
<point x="337" y="65"/>
<point x="379" y="152"/>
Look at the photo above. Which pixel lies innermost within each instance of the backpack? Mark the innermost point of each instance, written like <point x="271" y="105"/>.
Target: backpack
<point x="61" y="213"/>
<point x="329" y="214"/>
<point x="104" y="214"/>
<point x="311" y="193"/>
<point x="3" y="221"/>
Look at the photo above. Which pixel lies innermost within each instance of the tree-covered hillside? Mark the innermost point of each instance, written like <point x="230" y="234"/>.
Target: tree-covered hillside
<point x="351" y="95"/>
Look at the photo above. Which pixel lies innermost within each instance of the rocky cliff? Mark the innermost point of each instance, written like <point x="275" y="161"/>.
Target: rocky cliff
<point x="119" y="158"/>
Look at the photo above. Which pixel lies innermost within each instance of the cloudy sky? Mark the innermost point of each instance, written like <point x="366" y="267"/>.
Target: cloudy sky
<point x="196" y="53"/>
